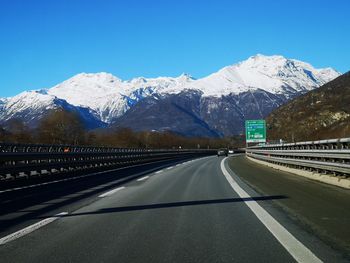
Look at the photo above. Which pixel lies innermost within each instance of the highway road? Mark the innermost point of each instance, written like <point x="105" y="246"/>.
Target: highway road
<point x="323" y="209"/>
<point x="195" y="211"/>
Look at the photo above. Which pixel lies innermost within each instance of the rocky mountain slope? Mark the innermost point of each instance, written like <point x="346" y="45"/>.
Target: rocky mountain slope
<point x="191" y="113"/>
<point x="320" y="114"/>
<point x="216" y="105"/>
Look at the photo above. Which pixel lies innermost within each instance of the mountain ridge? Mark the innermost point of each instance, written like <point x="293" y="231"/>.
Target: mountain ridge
<point x="258" y="81"/>
<point x="323" y="113"/>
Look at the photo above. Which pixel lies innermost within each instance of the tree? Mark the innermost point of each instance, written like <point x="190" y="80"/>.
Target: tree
<point x="4" y="135"/>
<point x="18" y="132"/>
<point x="91" y="139"/>
<point x="125" y="138"/>
<point x="61" y="127"/>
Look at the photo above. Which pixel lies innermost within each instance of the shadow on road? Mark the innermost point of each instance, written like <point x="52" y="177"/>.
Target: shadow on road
<point x="178" y="204"/>
<point x="47" y="200"/>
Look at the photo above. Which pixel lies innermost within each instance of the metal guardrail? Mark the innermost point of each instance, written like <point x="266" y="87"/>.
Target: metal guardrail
<point x="329" y="156"/>
<point x="26" y="160"/>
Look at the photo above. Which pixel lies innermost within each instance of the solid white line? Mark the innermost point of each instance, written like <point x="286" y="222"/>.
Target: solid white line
<point x="30" y="228"/>
<point x="111" y="192"/>
<point x="143" y="178"/>
<point x="169" y="168"/>
<point x="297" y="250"/>
<point x="160" y="171"/>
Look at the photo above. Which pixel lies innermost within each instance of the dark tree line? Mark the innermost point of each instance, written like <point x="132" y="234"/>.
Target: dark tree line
<point x="62" y="127"/>
<point x="58" y="127"/>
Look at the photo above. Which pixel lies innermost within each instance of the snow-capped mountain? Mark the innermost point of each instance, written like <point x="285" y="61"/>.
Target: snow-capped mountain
<point x="219" y="102"/>
<point x="27" y="105"/>
<point x="31" y="106"/>
<point x="274" y="74"/>
<point x="109" y="96"/>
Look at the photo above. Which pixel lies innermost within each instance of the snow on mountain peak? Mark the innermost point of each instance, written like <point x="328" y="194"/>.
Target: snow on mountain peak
<point x="275" y="74"/>
<point x="186" y="76"/>
<point x="96" y="91"/>
<point x="162" y="85"/>
<point x="100" y="80"/>
<point x="86" y="89"/>
<point x="27" y="102"/>
<point x="108" y="97"/>
<point x="100" y="76"/>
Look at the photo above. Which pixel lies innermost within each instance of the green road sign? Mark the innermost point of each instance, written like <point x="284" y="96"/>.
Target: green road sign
<point x="255" y="131"/>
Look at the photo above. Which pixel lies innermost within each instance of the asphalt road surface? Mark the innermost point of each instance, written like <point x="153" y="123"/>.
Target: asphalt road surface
<point x="197" y="211"/>
<point x="322" y="209"/>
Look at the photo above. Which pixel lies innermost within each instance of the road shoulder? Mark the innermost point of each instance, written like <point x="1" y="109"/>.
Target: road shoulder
<point x="316" y="208"/>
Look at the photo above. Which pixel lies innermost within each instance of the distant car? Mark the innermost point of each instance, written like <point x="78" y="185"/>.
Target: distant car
<point x="222" y="152"/>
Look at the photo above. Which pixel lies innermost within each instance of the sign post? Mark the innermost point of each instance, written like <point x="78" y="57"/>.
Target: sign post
<point x="255" y="131"/>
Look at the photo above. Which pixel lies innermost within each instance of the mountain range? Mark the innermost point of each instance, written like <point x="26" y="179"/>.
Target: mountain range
<point x="216" y="105"/>
<point x="323" y="113"/>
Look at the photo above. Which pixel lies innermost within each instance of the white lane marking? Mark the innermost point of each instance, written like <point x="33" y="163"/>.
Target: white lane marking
<point x="295" y="248"/>
<point x="81" y="176"/>
<point x="160" y="171"/>
<point x="143" y="178"/>
<point x="29" y="229"/>
<point x="112" y="191"/>
<point x="71" y="178"/>
<point x="35" y="185"/>
<point x="169" y="168"/>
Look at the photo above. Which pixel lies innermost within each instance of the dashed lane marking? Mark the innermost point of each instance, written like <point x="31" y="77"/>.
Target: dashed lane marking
<point x="143" y="178"/>
<point x="112" y="191"/>
<point x="71" y="178"/>
<point x="31" y="228"/>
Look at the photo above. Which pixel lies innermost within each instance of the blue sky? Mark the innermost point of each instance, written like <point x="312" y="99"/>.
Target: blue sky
<point x="44" y="42"/>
